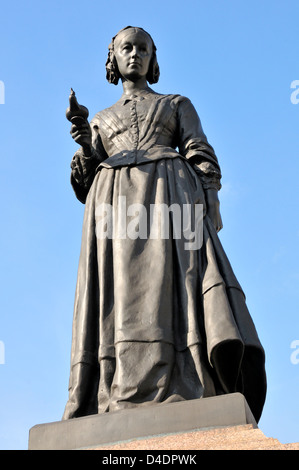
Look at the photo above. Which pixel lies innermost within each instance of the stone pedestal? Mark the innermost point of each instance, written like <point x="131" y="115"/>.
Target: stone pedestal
<point x="245" y="437"/>
<point x="160" y="421"/>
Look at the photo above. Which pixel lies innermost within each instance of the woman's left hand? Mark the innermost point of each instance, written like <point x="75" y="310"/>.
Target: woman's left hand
<point x="213" y="208"/>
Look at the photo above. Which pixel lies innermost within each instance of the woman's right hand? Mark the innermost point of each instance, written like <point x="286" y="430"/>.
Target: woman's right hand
<point x="81" y="133"/>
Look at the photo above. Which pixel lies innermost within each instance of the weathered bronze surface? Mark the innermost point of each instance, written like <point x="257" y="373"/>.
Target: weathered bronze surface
<point x="154" y="321"/>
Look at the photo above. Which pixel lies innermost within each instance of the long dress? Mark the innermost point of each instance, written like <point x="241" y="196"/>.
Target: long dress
<point x="153" y="321"/>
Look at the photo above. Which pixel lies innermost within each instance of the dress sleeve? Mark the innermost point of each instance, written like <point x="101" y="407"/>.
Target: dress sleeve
<point x="193" y="145"/>
<point x="83" y="169"/>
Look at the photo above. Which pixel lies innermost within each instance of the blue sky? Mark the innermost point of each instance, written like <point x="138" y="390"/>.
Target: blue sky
<point x="236" y="61"/>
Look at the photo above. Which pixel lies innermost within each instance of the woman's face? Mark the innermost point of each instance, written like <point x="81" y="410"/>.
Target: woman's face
<point x="133" y="52"/>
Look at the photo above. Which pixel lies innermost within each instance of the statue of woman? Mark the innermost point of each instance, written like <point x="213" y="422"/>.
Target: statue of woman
<point x="154" y="320"/>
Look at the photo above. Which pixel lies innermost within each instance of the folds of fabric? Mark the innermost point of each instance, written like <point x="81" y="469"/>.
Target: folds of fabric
<point x="154" y="322"/>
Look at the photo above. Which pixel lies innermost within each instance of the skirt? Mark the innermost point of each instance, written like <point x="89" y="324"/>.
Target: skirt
<point x="159" y="315"/>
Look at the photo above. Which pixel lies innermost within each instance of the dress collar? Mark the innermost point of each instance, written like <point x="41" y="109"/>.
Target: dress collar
<point x="137" y="97"/>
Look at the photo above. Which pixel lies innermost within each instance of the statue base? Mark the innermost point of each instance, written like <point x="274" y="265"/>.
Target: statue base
<point x="245" y="437"/>
<point x="142" y="422"/>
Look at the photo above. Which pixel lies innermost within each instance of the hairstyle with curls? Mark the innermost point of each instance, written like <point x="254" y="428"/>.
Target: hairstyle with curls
<point x="112" y="72"/>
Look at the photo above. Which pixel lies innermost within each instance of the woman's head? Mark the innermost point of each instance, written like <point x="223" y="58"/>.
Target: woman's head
<point x="126" y="39"/>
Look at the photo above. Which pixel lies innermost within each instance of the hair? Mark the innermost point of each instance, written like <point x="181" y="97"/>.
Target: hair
<point x="112" y="72"/>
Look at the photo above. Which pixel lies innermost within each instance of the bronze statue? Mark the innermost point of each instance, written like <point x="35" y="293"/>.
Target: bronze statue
<point x="154" y="321"/>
